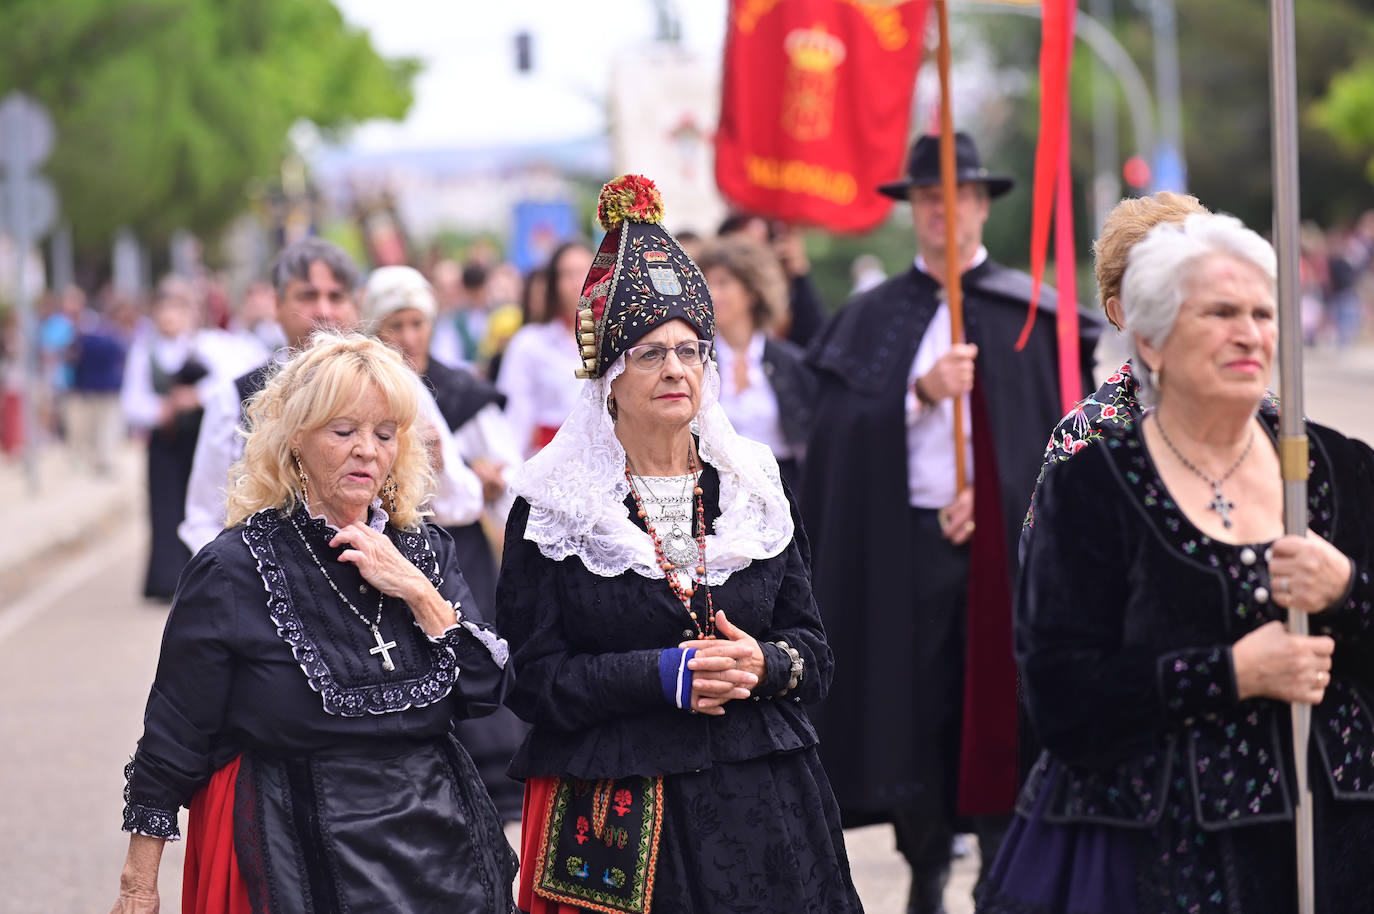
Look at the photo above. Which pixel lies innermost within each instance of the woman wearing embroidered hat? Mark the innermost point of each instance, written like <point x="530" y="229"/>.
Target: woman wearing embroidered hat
<point x="656" y="593"/>
<point x="317" y="655"/>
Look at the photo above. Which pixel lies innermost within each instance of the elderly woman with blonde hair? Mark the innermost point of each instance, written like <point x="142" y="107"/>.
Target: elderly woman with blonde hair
<point x="315" y="660"/>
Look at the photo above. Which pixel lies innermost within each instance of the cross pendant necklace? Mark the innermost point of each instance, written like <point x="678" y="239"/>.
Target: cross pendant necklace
<point x="1219" y="503"/>
<point x="383" y="648"/>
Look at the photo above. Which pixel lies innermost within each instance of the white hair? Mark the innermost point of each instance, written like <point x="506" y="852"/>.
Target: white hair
<point x="1159" y="275"/>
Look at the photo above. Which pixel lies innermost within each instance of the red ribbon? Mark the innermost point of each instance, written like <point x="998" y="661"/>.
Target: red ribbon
<point x="1052" y="194"/>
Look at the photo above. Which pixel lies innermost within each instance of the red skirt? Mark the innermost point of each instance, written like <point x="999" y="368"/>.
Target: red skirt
<point x="537" y="792"/>
<point x="211" y="883"/>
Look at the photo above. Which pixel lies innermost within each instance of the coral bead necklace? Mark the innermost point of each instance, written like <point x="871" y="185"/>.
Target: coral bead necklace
<point x="705" y="630"/>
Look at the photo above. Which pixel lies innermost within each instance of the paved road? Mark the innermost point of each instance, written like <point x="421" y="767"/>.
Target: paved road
<point x="77" y="652"/>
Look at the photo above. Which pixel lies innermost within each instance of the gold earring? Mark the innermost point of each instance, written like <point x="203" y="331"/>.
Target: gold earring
<point x="389" y="490"/>
<point x="305" y="480"/>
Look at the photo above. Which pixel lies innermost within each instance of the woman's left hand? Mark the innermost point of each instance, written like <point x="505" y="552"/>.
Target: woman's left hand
<point x="380" y="562"/>
<point x="733" y="644"/>
<point x="1308" y="573"/>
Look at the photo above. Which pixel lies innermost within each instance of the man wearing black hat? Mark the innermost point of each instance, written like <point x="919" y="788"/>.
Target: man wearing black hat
<point x="913" y="577"/>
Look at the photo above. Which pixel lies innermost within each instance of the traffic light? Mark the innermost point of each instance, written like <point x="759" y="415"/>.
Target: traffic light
<point x="524" y="52"/>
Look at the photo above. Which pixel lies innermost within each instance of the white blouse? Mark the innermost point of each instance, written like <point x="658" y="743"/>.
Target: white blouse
<point x="538" y="377"/>
<point x="753" y="410"/>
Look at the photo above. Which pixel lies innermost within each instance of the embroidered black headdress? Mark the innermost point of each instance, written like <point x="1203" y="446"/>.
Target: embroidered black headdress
<point x="639" y="279"/>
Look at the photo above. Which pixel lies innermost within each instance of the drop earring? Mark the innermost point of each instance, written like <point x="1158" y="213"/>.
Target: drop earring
<point x="305" y="480"/>
<point x="389" y="491"/>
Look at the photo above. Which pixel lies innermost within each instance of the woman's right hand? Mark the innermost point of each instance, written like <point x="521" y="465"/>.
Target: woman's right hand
<point x="136" y="903"/>
<point x="1272" y="662"/>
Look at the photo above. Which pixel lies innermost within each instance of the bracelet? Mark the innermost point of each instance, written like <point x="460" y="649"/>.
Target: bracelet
<point x="794" y="674"/>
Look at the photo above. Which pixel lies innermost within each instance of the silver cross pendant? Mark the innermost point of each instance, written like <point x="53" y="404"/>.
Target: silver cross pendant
<point x="384" y="648"/>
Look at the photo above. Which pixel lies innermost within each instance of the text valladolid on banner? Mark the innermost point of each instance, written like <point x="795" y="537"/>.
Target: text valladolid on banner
<point x="815" y="107"/>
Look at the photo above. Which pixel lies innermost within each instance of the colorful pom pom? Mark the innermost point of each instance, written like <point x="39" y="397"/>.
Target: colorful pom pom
<point x="632" y="198"/>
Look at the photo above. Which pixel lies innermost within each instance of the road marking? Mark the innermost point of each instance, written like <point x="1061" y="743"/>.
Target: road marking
<point x="17" y="615"/>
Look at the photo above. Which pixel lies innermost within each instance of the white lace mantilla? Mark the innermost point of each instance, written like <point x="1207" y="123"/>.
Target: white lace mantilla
<point x="576" y="490"/>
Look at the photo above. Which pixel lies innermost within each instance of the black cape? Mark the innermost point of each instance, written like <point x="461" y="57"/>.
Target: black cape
<point x="855" y="501"/>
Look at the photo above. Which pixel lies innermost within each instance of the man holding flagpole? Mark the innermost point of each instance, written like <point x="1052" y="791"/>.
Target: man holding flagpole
<point x="913" y="576"/>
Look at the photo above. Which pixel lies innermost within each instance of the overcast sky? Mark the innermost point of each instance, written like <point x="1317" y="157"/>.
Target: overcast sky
<point x="470" y="93"/>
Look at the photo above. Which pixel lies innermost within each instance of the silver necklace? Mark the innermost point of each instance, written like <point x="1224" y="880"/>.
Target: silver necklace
<point x="383" y="647"/>
<point x="1219" y="503"/>
<point x="679" y="546"/>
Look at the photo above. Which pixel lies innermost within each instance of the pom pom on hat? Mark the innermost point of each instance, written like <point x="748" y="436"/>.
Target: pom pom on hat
<point x="629" y="198"/>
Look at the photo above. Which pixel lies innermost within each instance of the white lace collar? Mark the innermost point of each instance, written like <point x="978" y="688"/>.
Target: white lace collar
<point x="376" y="517"/>
<point x="576" y="490"/>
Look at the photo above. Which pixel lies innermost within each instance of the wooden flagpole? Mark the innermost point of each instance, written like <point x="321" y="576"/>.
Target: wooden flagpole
<point x="953" y="290"/>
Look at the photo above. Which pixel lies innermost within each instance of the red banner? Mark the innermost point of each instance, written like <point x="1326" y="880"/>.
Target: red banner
<point x="815" y="107"/>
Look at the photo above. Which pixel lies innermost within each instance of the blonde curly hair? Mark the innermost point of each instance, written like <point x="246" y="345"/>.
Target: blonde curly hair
<point x="1127" y="223"/>
<point x="316" y="386"/>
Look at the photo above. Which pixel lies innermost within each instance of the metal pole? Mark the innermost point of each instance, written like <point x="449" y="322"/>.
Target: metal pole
<point x="1169" y="160"/>
<point x="1106" y="158"/>
<point x="1292" y="435"/>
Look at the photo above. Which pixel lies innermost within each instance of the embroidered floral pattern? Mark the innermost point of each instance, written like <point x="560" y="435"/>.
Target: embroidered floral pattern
<point x="1184" y="873"/>
<point x="1195" y="681"/>
<point x="1344" y="734"/>
<point x="1113" y="405"/>
<point x="260" y="533"/>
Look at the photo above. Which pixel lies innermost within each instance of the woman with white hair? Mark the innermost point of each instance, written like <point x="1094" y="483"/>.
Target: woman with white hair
<point x="1149" y="625"/>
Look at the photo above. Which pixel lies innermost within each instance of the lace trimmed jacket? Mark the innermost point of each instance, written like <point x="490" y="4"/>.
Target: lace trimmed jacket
<point x="259" y="657"/>
<point x="1124" y="624"/>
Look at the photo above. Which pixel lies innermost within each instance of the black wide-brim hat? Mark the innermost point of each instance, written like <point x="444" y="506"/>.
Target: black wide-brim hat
<point x="923" y="168"/>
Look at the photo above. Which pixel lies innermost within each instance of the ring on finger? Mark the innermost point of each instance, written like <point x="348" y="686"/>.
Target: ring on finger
<point x="1283" y="585"/>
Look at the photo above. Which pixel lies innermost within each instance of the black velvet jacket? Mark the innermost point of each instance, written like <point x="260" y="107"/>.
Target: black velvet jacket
<point x="1125" y="618"/>
<point x="587" y="648"/>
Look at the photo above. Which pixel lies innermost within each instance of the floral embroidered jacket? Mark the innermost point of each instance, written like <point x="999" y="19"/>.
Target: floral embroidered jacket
<point x="1125" y="618"/>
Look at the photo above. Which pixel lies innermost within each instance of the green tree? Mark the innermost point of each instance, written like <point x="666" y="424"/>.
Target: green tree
<point x="168" y="111"/>
<point x="1347" y="112"/>
<point x="1225" y="61"/>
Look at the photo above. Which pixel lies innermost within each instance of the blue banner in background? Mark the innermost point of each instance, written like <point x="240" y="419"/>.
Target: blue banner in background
<point x="540" y="226"/>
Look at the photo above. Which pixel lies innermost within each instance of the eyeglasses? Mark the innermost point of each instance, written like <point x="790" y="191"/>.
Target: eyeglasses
<point x="650" y="356"/>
